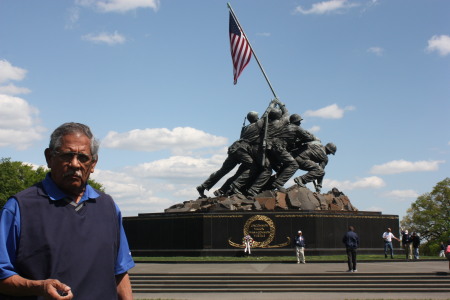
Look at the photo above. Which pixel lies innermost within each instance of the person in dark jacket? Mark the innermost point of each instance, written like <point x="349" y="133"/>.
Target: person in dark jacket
<point x="407" y="244"/>
<point x="415" y="241"/>
<point x="351" y="241"/>
<point x="300" y="247"/>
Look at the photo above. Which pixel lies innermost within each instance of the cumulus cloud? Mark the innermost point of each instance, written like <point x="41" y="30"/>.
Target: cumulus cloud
<point x="9" y="72"/>
<point x="374" y="208"/>
<point x="179" y="167"/>
<point x="326" y="7"/>
<point x="73" y="15"/>
<point x="157" y="185"/>
<point x="329" y="112"/>
<point x="12" y="89"/>
<point x="131" y="193"/>
<point x="402" y="194"/>
<point x="105" y="38"/>
<point x="376" y="50"/>
<point x="120" y="6"/>
<point x="314" y="129"/>
<point x="373" y="182"/>
<point x="440" y="44"/>
<point x="154" y="139"/>
<point x="403" y="166"/>
<point x="19" y="123"/>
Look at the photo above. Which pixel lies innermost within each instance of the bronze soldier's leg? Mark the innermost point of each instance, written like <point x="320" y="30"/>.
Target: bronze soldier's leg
<point x="289" y="168"/>
<point x="314" y="171"/>
<point x="227" y="166"/>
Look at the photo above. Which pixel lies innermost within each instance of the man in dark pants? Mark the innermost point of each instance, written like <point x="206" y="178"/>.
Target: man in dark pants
<point x="351" y="241"/>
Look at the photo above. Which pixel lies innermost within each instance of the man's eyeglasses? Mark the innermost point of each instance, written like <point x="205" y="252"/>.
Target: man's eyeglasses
<point x="68" y="156"/>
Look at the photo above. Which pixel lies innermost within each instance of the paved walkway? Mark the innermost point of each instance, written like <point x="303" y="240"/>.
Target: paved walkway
<point x="315" y="267"/>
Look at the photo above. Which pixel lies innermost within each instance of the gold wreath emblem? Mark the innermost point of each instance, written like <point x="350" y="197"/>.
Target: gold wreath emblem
<point x="265" y="243"/>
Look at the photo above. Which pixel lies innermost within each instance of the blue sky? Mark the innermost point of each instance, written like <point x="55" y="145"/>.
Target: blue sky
<point x="153" y="79"/>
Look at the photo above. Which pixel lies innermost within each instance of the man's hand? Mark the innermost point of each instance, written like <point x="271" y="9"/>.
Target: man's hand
<point x="53" y="289"/>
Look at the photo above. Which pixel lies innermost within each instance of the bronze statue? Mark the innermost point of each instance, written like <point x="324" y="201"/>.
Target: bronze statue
<point x="312" y="157"/>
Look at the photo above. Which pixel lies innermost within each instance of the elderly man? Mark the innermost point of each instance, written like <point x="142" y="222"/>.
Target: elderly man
<point x="61" y="239"/>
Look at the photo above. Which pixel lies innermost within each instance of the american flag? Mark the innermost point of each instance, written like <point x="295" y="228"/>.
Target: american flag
<point x="240" y="49"/>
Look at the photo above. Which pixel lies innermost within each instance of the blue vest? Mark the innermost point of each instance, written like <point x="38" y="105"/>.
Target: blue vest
<point x="77" y="245"/>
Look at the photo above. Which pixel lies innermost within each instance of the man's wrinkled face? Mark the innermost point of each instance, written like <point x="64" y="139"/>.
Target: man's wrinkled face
<point x="71" y="164"/>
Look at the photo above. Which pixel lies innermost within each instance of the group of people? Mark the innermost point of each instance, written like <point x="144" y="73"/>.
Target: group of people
<point x="350" y="240"/>
<point x="411" y="243"/>
<point x="61" y="238"/>
<point x="274" y="143"/>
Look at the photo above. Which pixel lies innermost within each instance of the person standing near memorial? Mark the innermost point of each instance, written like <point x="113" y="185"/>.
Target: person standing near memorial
<point x="407" y="244"/>
<point x="351" y="242"/>
<point x="447" y="252"/>
<point x="300" y="247"/>
<point x="61" y="238"/>
<point x="387" y="237"/>
<point x="415" y="241"/>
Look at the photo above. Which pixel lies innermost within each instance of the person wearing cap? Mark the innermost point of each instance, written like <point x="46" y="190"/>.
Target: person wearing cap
<point x="300" y="247"/>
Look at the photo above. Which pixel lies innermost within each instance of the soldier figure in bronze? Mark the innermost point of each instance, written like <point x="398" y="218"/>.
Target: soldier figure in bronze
<point x="312" y="157"/>
<point x="243" y="152"/>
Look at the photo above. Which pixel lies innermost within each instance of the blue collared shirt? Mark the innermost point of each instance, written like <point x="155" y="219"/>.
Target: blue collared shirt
<point x="10" y="231"/>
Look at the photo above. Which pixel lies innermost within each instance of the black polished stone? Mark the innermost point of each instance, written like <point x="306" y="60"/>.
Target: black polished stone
<point x="221" y="233"/>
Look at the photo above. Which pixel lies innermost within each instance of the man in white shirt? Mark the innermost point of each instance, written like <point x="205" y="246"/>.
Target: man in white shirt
<point x="388" y="236"/>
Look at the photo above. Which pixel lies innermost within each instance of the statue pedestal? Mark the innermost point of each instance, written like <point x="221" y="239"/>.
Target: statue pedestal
<point x="221" y="233"/>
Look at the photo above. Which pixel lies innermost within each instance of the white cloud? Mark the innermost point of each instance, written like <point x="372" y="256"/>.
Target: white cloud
<point x="402" y="194"/>
<point x="105" y="38"/>
<point x="179" y="167"/>
<point x="73" y="15"/>
<point x="157" y="185"/>
<point x="132" y="194"/>
<point x="440" y="43"/>
<point x="376" y="50"/>
<point x="330" y="112"/>
<point x="403" y="166"/>
<point x="120" y="6"/>
<point x="374" y="208"/>
<point x="326" y="7"/>
<point x="12" y="89"/>
<point x="314" y="129"/>
<point x="9" y="72"/>
<point x="363" y="183"/>
<point x="19" y="125"/>
<point x="153" y="139"/>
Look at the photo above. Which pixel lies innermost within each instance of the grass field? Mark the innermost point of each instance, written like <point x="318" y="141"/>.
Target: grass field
<point x="292" y="258"/>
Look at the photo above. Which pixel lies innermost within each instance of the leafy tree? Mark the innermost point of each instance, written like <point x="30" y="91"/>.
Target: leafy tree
<point x="16" y="176"/>
<point x="429" y="215"/>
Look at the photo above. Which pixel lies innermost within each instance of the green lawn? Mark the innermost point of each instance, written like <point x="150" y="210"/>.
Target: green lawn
<point x="292" y="258"/>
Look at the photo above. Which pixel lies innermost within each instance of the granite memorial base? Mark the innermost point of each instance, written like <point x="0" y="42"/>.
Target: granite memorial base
<point x="221" y="233"/>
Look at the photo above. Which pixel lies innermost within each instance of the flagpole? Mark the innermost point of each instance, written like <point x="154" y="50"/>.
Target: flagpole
<point x="251" y="48"/>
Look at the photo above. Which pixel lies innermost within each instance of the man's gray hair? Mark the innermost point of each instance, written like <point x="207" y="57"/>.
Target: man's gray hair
<point x="73" y="128"/>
